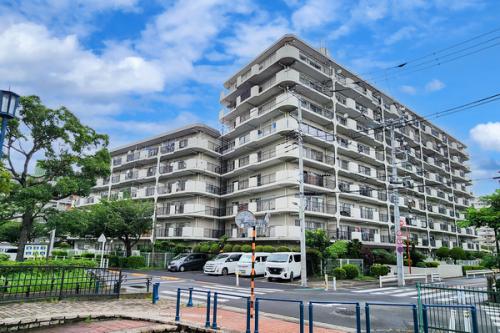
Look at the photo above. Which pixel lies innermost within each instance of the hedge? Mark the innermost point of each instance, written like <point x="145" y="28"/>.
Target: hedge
<point x="4" y="257"/>
<point x="379" y="270"/>
<point x="471" y="268"/>
<point x="60" y="253"/>
<point x="132" y="262"/>
<point x="339" y="273"/>
<point x="237" y="248"/>
<point x="431" y="264"/>
<point x="246" y="248"/>
<point x="88" y="255"/>
<point x="352" y="271"/>
<point x="269" y="248"/>
<point x="282" y="249"/>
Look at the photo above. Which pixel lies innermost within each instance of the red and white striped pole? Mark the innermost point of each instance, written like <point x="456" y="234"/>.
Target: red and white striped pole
<point x="252" y="273"/>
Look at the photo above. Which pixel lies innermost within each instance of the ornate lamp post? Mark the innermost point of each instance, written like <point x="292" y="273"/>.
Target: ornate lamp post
<point x="8" y="105"/>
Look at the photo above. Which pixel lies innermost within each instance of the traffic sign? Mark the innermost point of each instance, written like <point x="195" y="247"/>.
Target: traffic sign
<point x="244" y="219"/>
<point x="101" y="239"/>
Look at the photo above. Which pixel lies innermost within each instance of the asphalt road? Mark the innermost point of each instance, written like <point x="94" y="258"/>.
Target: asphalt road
<point x="383" y="318"/>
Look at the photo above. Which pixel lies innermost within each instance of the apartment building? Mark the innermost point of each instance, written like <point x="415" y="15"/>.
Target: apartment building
<point x="200" y="179"/>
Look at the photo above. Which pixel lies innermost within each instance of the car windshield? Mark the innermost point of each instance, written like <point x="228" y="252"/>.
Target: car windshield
<point x="278" y="257"/>
<point x="221" y="257"/>
<point x="246" y="258"/>
<point x="179" y="256"/>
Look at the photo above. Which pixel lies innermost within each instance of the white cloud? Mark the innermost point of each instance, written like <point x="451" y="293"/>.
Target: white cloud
<point x="487" y="135"/>
<point x="434" y="85"/>
<point x="315" y="13"/>
<point x="410" y="90"/>
<point x="399" y="35"/>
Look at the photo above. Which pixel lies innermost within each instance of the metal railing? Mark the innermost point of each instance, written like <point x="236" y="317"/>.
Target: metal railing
<point x="258" y="300"/>
<point x="412" y="306"/>
<point x="19" y="283"/>
<point x="311" y="313"/>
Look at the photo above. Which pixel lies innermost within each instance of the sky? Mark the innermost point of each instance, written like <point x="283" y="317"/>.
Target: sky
<point x="133" y="69"/>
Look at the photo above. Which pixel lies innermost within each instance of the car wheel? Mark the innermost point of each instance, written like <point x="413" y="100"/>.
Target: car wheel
<point x="182" y="269"/>
<point x="291" y="276"/>
<point x="224" y="271"/>
<point x="270" y="279"/>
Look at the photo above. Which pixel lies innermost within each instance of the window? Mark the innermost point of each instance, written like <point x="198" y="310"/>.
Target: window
<point x="344" y="164"/>
<point x="296" y="257"/>
<point x="244" y="161"/>
<point x="366" y="213"/>
<point x="343" y="142"/>
<point x="183" y="143"/>
<point x="364" y="170"/>
<point x="345" y="209"/>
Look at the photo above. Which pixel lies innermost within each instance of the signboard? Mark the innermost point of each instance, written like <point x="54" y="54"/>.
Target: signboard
<point x="399" y="235"/>
<point x="35" y="250"/>
<point x="101" y="239"/>
<point x="245" y="219"/>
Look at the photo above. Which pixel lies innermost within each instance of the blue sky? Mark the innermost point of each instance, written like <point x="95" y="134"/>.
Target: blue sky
<point x="133" y="68"/>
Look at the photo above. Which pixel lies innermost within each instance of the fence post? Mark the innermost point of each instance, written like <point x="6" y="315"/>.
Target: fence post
<point x="248" y="315"/>
<point x="311" y="320"/>
<point x="415" y="319"/>
<point x="256" y="324"/>
<point x="190" y="299"/>
<point x="156" y="288"/>
<point x="165" y="260"/>
<point x="207" y="321"/>
<point x="358" y="318"/>
<point x="425" y="323"/>
<point x="178" y="305"/>
<point x="62" y="285"/>
<point x="473" y="311"/>
<point x="148" y="283"/>
<point x="367" y="315"/>
<point x="334" y="283"/>
<point x="419" y="304"/>
<point x="214" y="318"/>
<point x="301" y="317"/>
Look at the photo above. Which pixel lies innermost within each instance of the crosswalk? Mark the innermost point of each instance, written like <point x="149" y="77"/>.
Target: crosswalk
<point x="224" y="293"/>
<point x="411" y="292"/>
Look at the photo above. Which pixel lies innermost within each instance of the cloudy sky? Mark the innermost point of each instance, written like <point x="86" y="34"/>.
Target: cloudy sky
<point x="133" y="68"/>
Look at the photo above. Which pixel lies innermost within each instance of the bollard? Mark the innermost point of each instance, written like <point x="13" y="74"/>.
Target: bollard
<point x="301" y="318"/>
<point x="326" y="282"/>
<point x="207" y="321"/>
<point x="248" y="315"/>
<point x="415" y="319"/>
<point x="473" y="311"/>
<point x="256" y="324"/>
<point x="148" y="283"/>
<point x="214" y="318"/>
<point x="237" y="279"/>
<point x="334" y="283"/>
<point x="178" y="305"/>
<point x="190" y="299"/>
<point x="311" y="320"/>
<point x="156" y="292"/>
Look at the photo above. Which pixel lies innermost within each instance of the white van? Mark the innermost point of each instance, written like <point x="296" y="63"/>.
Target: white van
<point x="283" y="265"/>
<point x="222" y="264"/>
<point x="245" y="264"/>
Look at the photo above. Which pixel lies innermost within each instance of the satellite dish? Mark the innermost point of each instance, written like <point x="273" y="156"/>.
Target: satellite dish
<point x="244" y="219"/>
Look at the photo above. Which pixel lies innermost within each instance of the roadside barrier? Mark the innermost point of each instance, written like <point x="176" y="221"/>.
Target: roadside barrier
<point x="311" y="313"/>
<point x="412" y="306"/>
<point x="474" y="328"/>
<point x="214" y="317"/>
<point x="260" y="299"/>
<point x="191" y="290"/>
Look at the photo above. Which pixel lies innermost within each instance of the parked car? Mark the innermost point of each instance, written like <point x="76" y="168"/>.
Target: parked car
<point x="9" y="250"/>
<point x="222" y="264"/>
<point x="245" y="264"/>
<point x="188" y="262"/>
<point x="283" y="265"/>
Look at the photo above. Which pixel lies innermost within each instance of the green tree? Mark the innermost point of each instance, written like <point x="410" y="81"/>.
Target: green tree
<point x="354" y="249"/>
<point x="338" y="249"/>
<point x="457" y="253"/>
<point x="488" y="216"/>
<point x="71" y="156"/>
<point x="126" y="220"/>
<point x="9" y="231"/>
<point x="5" y="184"/>
<point x="443" y="253"/>
<point x="318" y="240"/>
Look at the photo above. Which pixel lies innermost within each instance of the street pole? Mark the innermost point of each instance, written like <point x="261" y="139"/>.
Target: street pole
<point x="302" y="218"/>
<point x="252" y="273"/>
<point x="397" y="226"/>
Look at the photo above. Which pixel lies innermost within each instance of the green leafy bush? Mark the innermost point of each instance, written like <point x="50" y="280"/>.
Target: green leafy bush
<point x="228" y="247"/>
<point x="295" y="248"/>
<point x="351" y="271"/>
<point x="489" y="261"/>
<point x="431" y="264"/>
<point x="282" y="249"/>
<point x="89" y="255"/>
<point x="196" y="248"/>
<point x="114" y="261"/>
<point x="269" y="248"/>
<point x="59" y="253"/>
<point x="457" y="253"/>
<point x="4" y="257"/>
<point x="204" y="248"/>
<point x="246" y="248"/>
<point x="132" y="262"/>
<point x="421" y="264"/>
<point x="259" y="248"/>
<point x="471" y="268"/>
<point x="338" y="249"/>
<point x="181" y="248"/>
<point x="214" y="248"/>
<point x="443" y="253"/>
<point x="52" y="262"/>
<point x="339" y="273"/>
<point x="384" y="257"/>
<point x="237" y="248"/>
<point x="379" y="270"/>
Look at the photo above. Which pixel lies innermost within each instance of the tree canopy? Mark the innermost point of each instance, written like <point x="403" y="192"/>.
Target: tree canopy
<point x="126" y="220"/>
<point x="68" y="155"/>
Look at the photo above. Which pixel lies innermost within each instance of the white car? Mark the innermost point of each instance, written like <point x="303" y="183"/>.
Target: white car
<point x="245" y="264"/>
<point x="222" y="264"/>
<point x="283" y="265"/>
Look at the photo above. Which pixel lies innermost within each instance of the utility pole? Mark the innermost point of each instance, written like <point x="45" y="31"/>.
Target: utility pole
<point x="302" y="218"/>
<point x="395" y="195"/>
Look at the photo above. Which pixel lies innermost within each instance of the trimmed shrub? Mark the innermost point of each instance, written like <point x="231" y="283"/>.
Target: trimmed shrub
<point x="421" y="264"/>
<point x="204" y="248"/>
<point x="237" y="248"/>
<point x="114" y="261"/>
<point x="282" y="249"/>
<point x="88" y="255"/>
<point x="268" y="248"/>
<point x="60" y="253"/>
<point x="338" y="249"/>
<point x="214" y="248"/>
<point x="180" y="248"/>
<point x="379" y="270"/>
<point x="489" y="261"/>
<point x="431" y="264"/>
<point x="228" y="247"/>
<point x="197" y="247"/>
<point x="339" y="273"/>
<point x="383" y="256"/>
<point x="246" y="248"/>
<point x="295" y="248"/>
<point x="259" y="248"/>
<point x="443" y="253"/>
<point x="471" y="268"/>
<point x="457" y="253"/>
<point x="351" y="271"/>
<point x="4" y="257"/>
<point x="132" y="262"/>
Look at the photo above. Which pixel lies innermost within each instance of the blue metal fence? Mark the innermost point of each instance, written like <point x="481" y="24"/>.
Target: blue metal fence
<point x="248" y="304"/>
<point x="311" y="313"/>
<point x="260" y="299"/>
<point x="190" y="303"/>
<point x="412" y="306"/>
<point x="428" y="325"/>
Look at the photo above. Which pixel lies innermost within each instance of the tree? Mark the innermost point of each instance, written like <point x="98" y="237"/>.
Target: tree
<point x="487" y="216"/>
<point x="354" y="249"/>
<point x="71" y="156"/>
<point x="5" y="184"/>
<point x="9" y="231"/>
<point x="338" y="249"/>
<point x="318" y="240"/>
<point x="126" y="220"/>
<point x="457" y="253"/>
<point x="443" y="253"/>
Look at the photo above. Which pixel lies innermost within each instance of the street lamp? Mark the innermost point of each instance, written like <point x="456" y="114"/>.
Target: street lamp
<point x="8" y="105"/>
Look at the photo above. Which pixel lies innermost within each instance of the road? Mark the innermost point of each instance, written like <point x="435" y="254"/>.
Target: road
<point x="382" y="317"/>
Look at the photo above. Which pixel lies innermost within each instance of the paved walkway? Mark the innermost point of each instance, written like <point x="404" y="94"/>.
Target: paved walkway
<point x="103" y="326"/>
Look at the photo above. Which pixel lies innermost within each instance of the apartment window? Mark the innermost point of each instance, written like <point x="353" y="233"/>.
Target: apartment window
<point x="243" y="184"/>
<point x="363" y="149"/>
<point x="181" y="165"/>
<point x="343" y="142"/>
<point x="366" y="213"/>
<point x="344" y="164"/>
<point x="313" y="154"/>
<point x="345" y="209"/>
<point x="344" y="186"/>
<point x="152" y="151"/>
<point x="150" y="190"/>
<point x="117" y="161"/>
<point x="244" y="139"/>
<point x="365" y="191"/>
<point x="266" y="179"/>
<point x="181" y="185"/>
<point x="263" y="205"/>
<point x="151" y="171"/>
<point x="168" y="147"/>
<point x="364" y="170"/>
<point x="243" y="161"/>
<point x="314" y="204"/>
<point x="183" y="143"/>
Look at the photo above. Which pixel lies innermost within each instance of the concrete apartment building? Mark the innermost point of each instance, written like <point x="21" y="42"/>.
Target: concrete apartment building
<point x="200" y="179"/>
